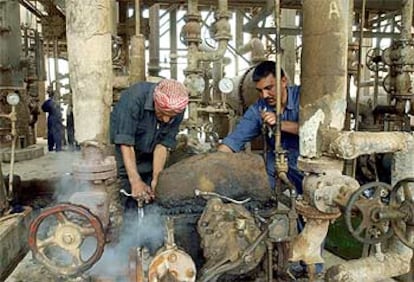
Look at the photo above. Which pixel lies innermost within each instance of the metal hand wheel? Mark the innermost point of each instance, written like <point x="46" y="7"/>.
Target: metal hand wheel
<point x="374" y="60"/>
<point x="363" y="213"/>
<point x="68" y="239"/>
<point x="403" y="203"/>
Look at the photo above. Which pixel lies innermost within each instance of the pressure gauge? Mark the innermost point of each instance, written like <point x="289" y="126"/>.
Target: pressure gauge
<point x="13" y="98"/>
<point x="195" y="83"/>
<point x="226" y="85"/>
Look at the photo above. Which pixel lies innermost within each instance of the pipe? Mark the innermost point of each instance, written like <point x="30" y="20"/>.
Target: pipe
<point x="307" y="246"/>
<point x="350" y="144"/>
<point x="373" y="268"/>
<point x="256" y="47"/>
<point x="359" y="71"/>
<point x="324" y="72"/>
<point x="13" y="149"/>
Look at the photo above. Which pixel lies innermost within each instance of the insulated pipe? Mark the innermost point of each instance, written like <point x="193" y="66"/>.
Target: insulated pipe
<point x="154" y="38"/>
<point x="351" y="144"/>
<point x="137" y="55"/>
<point x="256" y="47"/>
<point x="373" y="268"/>
<point x="324" y="72"/>
<point x="90" y="63"/>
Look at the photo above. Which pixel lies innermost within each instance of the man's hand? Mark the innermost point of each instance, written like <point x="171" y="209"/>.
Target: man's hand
<point x="141" y="191"/>
<point x="269" y="118"/>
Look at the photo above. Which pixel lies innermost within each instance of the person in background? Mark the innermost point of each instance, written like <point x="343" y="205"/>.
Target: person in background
<point x="143" y="126"/>
<point x="54" y="123"/>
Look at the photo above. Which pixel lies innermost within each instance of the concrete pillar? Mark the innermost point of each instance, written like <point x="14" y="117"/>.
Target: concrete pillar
<point x="324" y="71"/>
<point x="90" y="64"/>
<point x="288" y="44"/>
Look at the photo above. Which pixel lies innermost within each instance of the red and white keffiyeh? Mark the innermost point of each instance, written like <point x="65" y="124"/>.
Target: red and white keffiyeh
<point x="171" y="95"/>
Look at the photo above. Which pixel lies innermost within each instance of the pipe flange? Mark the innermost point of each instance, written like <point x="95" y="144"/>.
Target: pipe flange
<point x="303" y="208"/>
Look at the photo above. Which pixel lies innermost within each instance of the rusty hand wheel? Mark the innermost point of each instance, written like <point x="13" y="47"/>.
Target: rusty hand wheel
<point x="68" y="239"/>
<point x="362" y="213"/>
<point x="403" y="203"/>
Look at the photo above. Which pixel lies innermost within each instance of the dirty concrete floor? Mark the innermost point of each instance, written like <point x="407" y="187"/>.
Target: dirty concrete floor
<point x="51" y="165"/>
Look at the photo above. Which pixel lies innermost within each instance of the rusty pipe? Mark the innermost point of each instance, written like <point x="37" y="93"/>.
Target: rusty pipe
<point x="307" y="246"/>
<point x="350" y="144"/>
<point x="395" y="262"/>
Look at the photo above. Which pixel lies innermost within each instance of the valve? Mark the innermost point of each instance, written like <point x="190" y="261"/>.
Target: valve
<point x="402" y="201"/>
<point x="366" y="213"/>
<point x="61" y="238"/>
<point x="374" y="60"/>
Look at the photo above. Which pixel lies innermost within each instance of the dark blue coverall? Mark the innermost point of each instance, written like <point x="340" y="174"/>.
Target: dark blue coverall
<point x="54" y="125"/>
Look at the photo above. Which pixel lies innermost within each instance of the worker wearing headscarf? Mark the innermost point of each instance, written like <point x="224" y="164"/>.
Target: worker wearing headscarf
<point x="144" y="125"/>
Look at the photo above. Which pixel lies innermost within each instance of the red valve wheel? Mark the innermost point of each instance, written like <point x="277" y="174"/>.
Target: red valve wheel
<point x="68" y="239"/>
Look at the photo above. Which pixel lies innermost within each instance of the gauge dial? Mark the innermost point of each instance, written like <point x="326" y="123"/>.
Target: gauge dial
<point x="226" y="85"/>
<point x="13" y="99"/>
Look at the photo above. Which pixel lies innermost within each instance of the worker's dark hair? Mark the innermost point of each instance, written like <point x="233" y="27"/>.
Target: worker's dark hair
<point x="265" y="68"/>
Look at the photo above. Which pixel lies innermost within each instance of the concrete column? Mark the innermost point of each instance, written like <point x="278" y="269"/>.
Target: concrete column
<point x="288" y="44"/>
<point x="324" y="71"/>
<point x="90" y="63"/>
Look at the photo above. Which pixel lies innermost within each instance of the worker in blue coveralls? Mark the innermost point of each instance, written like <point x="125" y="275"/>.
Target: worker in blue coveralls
<point x="54" y="123"/>
<point x="262" y="113"/>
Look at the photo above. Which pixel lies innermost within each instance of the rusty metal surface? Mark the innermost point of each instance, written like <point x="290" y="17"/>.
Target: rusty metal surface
<point x="227" y="231"/>
<point x="238" y="176"/>
<point x="350" y="144"/>
<point x="68" y="236"/>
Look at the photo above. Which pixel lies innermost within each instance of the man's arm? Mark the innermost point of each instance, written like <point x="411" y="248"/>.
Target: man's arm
<point x="224" y="148"/>
<point x="286" y="126"/>
<point x="290" y="127"/>
<point x="139" y="189"/>
<point x="160" y="158"/>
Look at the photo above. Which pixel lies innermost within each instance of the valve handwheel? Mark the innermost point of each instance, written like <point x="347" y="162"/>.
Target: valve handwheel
<point x="68" y="239"/>
<point x="402" y="201"/>
<point x="362" y="213"/>
<point x="374" y="60"/>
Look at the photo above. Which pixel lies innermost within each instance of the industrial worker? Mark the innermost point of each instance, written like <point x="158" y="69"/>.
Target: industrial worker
<point x="54" y="123"/>
<point x="144" y="125"/>
<point x="261" y="115"/>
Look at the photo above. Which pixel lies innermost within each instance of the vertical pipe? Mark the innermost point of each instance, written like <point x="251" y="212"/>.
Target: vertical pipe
<point x="324" y="72"/>
<point x="359" y="72"/>
<point x="288" y="43"/>
<point x="90" y="63"/>
<point x="407" y="19"/>
<point x="56" y="96"/>
<point x="239" y="37"/>
<point x="173" y="42"/>
<point x="137" y="51"/>
<point x="137" y="17"/>
<point x="154" y="38"/>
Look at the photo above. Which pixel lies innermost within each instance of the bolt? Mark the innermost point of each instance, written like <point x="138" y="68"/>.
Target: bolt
<point x="172" y="258"/>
